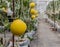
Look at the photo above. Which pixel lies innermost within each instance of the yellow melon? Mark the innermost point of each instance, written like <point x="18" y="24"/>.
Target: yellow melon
<point x="32" y="4"/>
<point x="4" y="9"/>
<point x="33" y="11"/>
<point x="33" y="16"/>
<point x="18" y="27"/>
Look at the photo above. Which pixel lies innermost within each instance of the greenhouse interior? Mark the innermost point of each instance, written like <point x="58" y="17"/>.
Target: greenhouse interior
<point x="29" y="23"/>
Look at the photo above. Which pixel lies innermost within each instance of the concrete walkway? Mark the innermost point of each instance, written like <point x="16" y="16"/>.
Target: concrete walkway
<point x="46" y="37"/>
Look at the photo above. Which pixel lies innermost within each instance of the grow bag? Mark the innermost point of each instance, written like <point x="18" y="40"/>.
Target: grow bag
<point x="24" y="43"/>
<point x="52" y="23"/>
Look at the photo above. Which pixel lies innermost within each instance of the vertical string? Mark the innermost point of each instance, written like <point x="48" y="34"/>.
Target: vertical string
<point x="1" y="1"/>
<point x="13" y="16"/>
<point x="54" y="13"/>
<point x="19" y="8"/>
<point x="13" y="8"/>
<point x="13" y="40"/>
<point x="30" y="15"/>
<point x="23" y="10"/>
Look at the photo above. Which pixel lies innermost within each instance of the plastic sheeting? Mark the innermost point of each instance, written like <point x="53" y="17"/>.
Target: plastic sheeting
<point x="30" y="34"/>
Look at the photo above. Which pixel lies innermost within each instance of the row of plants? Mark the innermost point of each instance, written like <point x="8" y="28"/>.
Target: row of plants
<point x="21" y="12"/>
<point x="53" y="6"/>
<point x="19" y="18"/>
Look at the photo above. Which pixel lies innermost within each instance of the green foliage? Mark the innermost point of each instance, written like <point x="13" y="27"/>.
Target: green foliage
<point x="56" y="8"/>
<point x="21" y="11"/>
